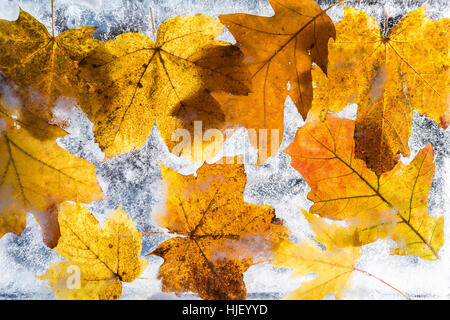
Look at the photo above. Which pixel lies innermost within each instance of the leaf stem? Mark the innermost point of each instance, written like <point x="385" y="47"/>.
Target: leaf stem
<point x="153" y="232"/>
<point x="334" y="5"/>
<point x="53" y="20"/>
<point x="382" y="281"/>
<point x="385" y="23"/>
<point x="153" y="23"/>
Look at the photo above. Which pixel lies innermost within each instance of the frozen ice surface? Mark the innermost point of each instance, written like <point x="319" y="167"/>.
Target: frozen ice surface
<point x="265" y="281"/>
<point x="146" y="286"/>
<point x="114" y="17"/>
<point x="134" y="181"/>
<point x="21" y="259"/>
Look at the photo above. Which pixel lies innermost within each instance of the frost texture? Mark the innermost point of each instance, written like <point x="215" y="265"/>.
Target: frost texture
<point x="134" y="179"/>
<point x="22" y="258"/>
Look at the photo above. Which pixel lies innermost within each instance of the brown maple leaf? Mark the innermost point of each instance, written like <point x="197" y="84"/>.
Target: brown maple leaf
<point x="219" y="235"/>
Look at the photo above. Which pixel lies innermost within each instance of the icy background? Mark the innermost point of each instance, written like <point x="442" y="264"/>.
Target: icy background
<point x="134" y="179"/>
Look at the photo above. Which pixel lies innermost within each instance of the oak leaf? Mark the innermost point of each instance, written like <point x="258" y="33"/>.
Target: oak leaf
<point x="219" y="235"/>
<point x="342" y="187"/>
<point x="334" y="264"/>
<point x="36" y="175"/>
<point x="279" y="53"/>
<point x="42" y="67"/>
<point x="131" y="81"/>
<point x="102" y="258"/>
<point x="388" y="76"/>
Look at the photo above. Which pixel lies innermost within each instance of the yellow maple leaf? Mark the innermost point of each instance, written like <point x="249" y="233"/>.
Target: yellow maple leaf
<point x="131" y="81"/>
<point x="36" y="175"/>
<point x="220" y="236"/>
<point x="332" y="256"/>
<point x="278" y="50"/>
<point x="41" y="66"/>
<point x="342" y="187"/>
<point x="388" y="75"/>
<point x="101" y="258"/>
<point x="334" y="266"/>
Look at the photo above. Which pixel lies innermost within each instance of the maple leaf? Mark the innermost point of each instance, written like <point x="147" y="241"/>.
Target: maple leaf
<point x="36" y="174"/>
<point x="220" y="236"/>
<point x="278" y="50"/>
<point x="332" y="256"/>
<point x="334" y="266"/>
<point x="41" y="66"/>
<point x="131" y="81"/>
<point x="104" y="257"/>
<point x="342" y="187"/>
<point x="388" y="75"/>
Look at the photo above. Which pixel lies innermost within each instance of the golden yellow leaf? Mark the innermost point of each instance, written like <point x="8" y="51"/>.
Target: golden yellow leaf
<point x="36" y="175"/>
<point x="342" y="187"/>
<point x="334" y="266"/>
<point x="102" y="258"/>
<point x="131" y="81"/>
<point x="278" y="50"/>
<point x="220" y="236"/>
<point x="388" y="75"/>
<point x="42" y="67"/>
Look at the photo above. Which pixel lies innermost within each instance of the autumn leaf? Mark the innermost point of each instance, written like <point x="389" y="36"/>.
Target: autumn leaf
<point x="332" y="256"/>
<point x="36" y="175"/>
<point x="103" y="258"/>
<point x="42" y="67"/>
<point x="333" y="265"/>
<point x="219" y="235"/>
<point x="388" y="76"/>
<point x="342" y="187"/>
<point x="279" y="52"/>
<point x="131" y="81"/>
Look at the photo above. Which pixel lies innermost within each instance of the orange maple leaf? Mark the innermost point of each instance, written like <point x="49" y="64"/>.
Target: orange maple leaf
<point x="342" y="187"/>
<point x="279" y="52"/>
